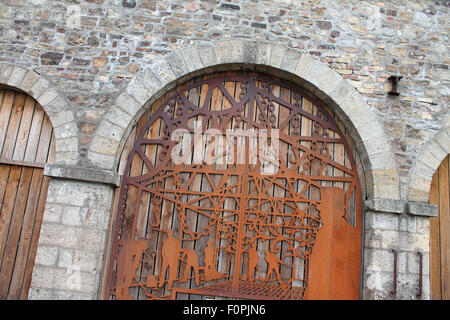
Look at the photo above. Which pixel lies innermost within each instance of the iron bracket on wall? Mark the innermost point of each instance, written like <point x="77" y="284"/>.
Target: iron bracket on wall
<point x="419" y="292"/>
<point x="394" y="80"/>
<point x="394" y="286"/>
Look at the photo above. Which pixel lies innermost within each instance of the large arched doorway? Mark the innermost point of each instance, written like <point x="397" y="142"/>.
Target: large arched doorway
<point x="26" y="145"/>
<point x="237" y="185"/>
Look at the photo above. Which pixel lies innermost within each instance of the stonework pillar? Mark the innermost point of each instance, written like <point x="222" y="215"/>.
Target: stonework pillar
<point x="72" y="241"/>
<point x="402" y="228"/>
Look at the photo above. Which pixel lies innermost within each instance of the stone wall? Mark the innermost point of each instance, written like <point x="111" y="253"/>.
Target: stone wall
<point x="91" y="49"/>
<point x="407" y="235"/>
<point x="396" y="228"/>
<point x="92" y="54"/>
<point x="72" y="241"/>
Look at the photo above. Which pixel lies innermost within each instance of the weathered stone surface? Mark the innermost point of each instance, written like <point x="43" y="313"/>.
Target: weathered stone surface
<point x="207" y="55"/>
<point x="222" y="52"/>
<point x="16" y="77"/>
<point x="419" y="188"/>
<point x="48" y="96"/>
<point x="127" y="103"/>
<point x="276" y="56"/>
<point x="99" y="62"/>
<point x="53" y="212"/>
<point x="263" y="52"/>
<point x="81" y="173"/>
<point x="72" y="239"/>
<point x="139" y="92"/>
<point x="400" y="206"/>
<point x="443" y="139"/>
<point x="192" y="59"/>
<point x="304" y="66"/>
<point x="290" y="60"/>
<point x="51" y="58"/>
<point x="128" y="51"/>
<point x="162" y="69"/>
<point x="177" y="64"/>
<point x="28" y="80"/>
<point x="39" y="87"/>
<point x="406" y="234"/>
<point x="386" y="184"/>
<point x="5" y="72"/>
<point x="100" y="160"/>
<point x="326" y="25"/>
<point x="237" y="50"/>
<point x="47" y="255"/>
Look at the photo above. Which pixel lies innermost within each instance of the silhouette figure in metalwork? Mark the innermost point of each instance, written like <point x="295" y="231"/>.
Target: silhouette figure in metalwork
<point x="209" y="256"/>
<point x="209" y="270"/>
<point x="191" y="262"/>
<point x="132" y="252"/>
<point x="170" y="254"/>
<point x="273" y="265"/>
<point x="252" y="262"/>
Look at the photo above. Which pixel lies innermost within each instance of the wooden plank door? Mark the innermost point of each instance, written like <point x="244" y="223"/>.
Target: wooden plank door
<point x="440" y="234"/>
<point x="26" y="144"/>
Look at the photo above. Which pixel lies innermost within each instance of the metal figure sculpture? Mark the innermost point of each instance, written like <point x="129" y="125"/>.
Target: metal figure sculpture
<point x="170" y="256"/>
<point x="215" y="217"/>
<point x="191" y="263"/>
<point x="273" y="265"/>
<point x="252" y="261"/>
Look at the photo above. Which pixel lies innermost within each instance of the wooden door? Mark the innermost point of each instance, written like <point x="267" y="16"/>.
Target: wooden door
<point x="26" y="144"/>
<point x="208" y="227"/>
<point x="440" y="234"/>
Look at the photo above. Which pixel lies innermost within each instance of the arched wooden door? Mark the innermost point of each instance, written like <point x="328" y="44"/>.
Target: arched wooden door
<point x="440" y="233"/>
<point x="26" y="144"/>
<point x="237" y="186"/>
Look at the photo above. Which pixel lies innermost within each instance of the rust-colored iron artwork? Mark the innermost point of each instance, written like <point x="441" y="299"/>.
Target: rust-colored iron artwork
<point x="207" y="208"/>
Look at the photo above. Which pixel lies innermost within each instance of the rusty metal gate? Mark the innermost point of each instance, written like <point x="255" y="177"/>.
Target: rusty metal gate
<point x="237" y="186"/>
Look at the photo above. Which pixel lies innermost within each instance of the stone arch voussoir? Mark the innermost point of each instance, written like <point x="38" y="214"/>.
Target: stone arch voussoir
<point x="54" y="104"/>
<point x="434" y="151"/>
<point x="164" y="73"/>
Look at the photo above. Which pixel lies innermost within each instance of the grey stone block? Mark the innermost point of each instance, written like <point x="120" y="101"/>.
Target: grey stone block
<point x="16" y="77"/>
<point x="162" y="68"/>
<point x="263" y="53"/>
<point x="250" y="51"/>
<point x="39" y="87"/>
<point x="29" y="79"/>
<point x="237" y="53"/>
<point x="222" y="51"/>
<point x="177" y="64"/>
<point x="67" y="145"/>
<point x="422" y="209"/>
<point x="207" y="55"/>
<point x="46" y="255"/>
<point x="400" y="206"/>
<point x="101" y="161"/>
<point x="5" y="72"/>
<point x="81" y="174"/>
<point x="290" y="60"/>
<point x="192" y="59"/>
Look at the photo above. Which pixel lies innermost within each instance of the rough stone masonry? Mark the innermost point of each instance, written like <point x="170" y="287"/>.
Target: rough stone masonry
<point x="90" y="51"/>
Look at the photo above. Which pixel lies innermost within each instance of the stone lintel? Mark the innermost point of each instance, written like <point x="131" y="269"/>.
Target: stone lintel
<point x="82" y="174"/>
<point x="399" y="206"/>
